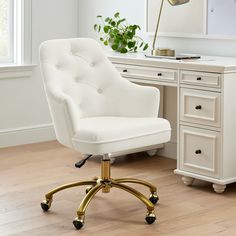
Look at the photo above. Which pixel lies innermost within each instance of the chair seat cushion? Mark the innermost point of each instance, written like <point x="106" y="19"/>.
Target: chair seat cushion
<point x="99" y="135"/>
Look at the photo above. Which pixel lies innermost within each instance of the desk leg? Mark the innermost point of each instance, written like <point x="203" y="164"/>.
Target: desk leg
<point x="187" y="180"/>
<point x="219" y="188"/>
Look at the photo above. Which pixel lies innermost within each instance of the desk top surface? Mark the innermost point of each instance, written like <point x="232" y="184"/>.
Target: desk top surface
<point x="205" y="63"/>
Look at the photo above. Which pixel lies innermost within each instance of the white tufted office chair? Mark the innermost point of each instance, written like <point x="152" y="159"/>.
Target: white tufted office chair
<point x="97" y="112"/>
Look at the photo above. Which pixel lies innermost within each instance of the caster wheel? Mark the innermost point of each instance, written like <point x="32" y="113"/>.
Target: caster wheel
<point x="46" y="204"/>
<point x="154" y="198"/>
<point x="150" y="218"/>
<point x="78" y="223"/>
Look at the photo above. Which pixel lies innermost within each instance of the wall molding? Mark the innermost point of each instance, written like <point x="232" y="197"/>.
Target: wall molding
<point x="16" y="71"/>
<point x="26" y="135"/>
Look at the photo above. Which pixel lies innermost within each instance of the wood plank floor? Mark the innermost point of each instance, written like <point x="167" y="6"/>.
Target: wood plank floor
<point x="29" y="171"/>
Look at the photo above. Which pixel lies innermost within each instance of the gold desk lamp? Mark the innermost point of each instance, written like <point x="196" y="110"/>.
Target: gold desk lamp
<point x="164" y="51"/>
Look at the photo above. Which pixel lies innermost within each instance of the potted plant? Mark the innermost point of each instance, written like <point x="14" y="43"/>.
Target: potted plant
<point x="119" y="35"/>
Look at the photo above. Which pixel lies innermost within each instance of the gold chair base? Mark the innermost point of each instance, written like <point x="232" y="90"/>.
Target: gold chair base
<point x="105" y="183"/>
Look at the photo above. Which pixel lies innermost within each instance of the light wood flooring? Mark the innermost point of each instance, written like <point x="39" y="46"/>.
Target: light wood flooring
<point x="28" y="172"/>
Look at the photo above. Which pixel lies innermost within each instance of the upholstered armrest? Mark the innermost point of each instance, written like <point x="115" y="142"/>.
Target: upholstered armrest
<point x="141" y="101"/>
<point x="64" y="108"/>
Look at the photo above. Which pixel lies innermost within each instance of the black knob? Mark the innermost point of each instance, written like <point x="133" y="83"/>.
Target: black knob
<point x="198" y="107"/>
<point x="125" y="70"/>
<point x="199" y="78"/>
<point x="159" y="74"/>
<point x="198" y="152"/>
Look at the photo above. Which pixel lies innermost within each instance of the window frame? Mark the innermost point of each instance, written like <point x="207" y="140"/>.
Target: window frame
<point x="19" y="33"/>
<point x="9" y="58"/>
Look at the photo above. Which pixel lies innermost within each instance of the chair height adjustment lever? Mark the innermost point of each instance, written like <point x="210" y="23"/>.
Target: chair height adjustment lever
<point x="79" y="164"/>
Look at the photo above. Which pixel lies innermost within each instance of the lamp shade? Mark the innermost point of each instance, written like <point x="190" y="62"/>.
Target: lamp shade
<point x="177" y="2"/>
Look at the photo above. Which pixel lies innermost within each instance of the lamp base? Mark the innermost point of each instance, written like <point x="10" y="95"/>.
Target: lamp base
<point x="163" y="52"/>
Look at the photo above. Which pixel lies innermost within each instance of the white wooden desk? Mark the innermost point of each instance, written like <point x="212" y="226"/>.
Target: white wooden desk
<point x="206" y="111"/>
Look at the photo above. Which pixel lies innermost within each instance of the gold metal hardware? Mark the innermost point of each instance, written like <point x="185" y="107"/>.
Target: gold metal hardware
<point x="105" y="183"/>
<point x="152" y="188"/>
<point x="164" y="51"/>
<point x="106" y="175"/>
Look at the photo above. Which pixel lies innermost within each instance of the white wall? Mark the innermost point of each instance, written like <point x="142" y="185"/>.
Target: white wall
<point x="133" y="10"/>
<point x="24" y="114"/>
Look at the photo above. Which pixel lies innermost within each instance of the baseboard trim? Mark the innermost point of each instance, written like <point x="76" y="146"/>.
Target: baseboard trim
<point x="169" y="150"/>
<point x="26" y="135"/>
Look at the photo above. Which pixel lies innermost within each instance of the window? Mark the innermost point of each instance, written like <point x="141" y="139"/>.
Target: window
<point x="10" y="31"/>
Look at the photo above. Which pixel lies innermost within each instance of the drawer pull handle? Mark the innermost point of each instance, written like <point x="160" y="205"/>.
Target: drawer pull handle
<point x="159" y="74"/>
<point x="125" y="70"/>
<point x="198" y="152"/>
<point x="199" y="78"/>
<point x="198" y="107"/>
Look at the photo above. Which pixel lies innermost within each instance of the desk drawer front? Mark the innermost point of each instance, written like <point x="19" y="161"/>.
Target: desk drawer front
<point x="199" y="151"/>
<point x="151" y="73"/>
<point x="200" y="107"/>
<point x="201" y="79"/>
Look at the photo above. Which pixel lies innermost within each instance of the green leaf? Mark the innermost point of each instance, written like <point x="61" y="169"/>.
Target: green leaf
<point x="145" y="47"/>
<point x="113" y="23"/>
<point x="123" y="50"/>
<point x="120" y="21"/>
<point x="131" y="44"/>
<point x="117" y="14"/>
<point x="99" y="28"/>
<point x="101" y="39"/>
<point x="141" y="44"/>
<point x="130" y="34"/>
<point x="115" y="31"/>
<point x="107" y="19"/>
<point x="99" y="16"/>
<point x="124" y="42"/>
<point x="115" y="47"/>
<point x="106" y="43"/>
<point x="95" y="27"/>
<point x="117" y="41"/>
<point x="106" y="29"/>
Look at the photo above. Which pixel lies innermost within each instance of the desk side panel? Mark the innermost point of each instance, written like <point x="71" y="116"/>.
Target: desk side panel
<point x="229" y="126"/>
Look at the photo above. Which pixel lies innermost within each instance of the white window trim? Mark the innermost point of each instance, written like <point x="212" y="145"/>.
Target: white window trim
<point x="22" y="66"/>
<point x="10" y="59"/>
<point x="26" y="36"/>
<point x="21" y="45"/>
<point x="16" y="71"/>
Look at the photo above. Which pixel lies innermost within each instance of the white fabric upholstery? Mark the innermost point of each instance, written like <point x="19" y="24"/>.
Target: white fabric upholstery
<point x="94" y="109"/>
<point x="113" y="134"/>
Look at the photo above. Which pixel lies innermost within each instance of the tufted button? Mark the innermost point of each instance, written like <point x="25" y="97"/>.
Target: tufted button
<point x="92" y="64"/>
<point x="59" y="66"/>
<point x="100" y="90"/>
<point x="77" y="78"/>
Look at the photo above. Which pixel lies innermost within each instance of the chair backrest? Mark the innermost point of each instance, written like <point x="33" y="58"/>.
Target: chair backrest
<point x="79" y="82"/>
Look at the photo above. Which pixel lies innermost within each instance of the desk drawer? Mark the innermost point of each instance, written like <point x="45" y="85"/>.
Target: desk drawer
<point x="151" y="73"/>
<point x="200" y="107"/>
<point x="199" y="151"/>
<point x="201" y="79"/>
